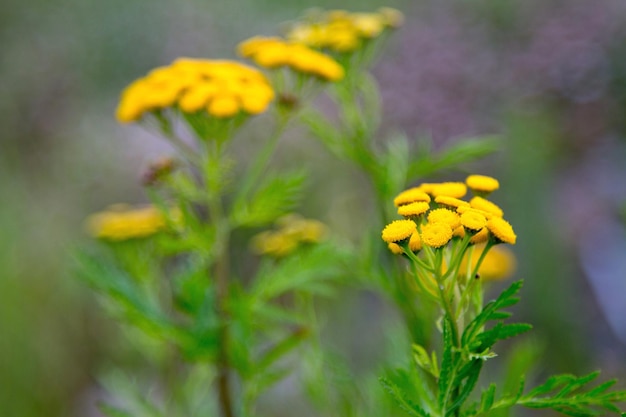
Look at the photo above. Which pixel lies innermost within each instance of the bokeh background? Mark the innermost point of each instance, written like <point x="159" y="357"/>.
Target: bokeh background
<point x="548" y="77"/>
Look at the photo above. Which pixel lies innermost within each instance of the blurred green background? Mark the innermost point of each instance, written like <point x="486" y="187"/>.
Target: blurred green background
<point x="548" y="76"/>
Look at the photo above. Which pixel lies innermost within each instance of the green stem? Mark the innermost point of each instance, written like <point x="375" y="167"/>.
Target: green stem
<point x="220" y="273"/>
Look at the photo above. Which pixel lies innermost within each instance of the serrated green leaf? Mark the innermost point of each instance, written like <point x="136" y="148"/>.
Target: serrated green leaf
<point x="277" y="196"/>
<point x="401" y="398"/>
<point x="425" y="162"/>
<point x="308" y="271"/>
<point x="424" y="361"/>
<point x="488" y="338"/>
<point x="470" y="372"/>
<point x="576" y="383"/>
<point x="487" y="398"/>
<point x="507" y="298"/>
<point x="280" y="349"/>
<point x="447" y="364"/>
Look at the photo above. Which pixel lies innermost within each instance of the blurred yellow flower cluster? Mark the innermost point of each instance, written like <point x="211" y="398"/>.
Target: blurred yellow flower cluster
<point x="498" y="264"/>
<point x="122" y="222"/>
<point x="291" y="232"/>
<point x="220" y="88"/>
<point x="438" y="214"/>
<point x="274" y="52"/>
<point x="342" y="31"/>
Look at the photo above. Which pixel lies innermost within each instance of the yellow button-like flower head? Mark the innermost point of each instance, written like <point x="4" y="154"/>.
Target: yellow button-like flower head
<point x="121" y="222"/>
<point x="220" y="88"/>
<point x="486" y="205"/>
<point x="473" y="220"/>
<point x="415" y="242"/>
<point x="482" y="184"/>
<point x="502" y="230"/>
<point x="398" y="230"/>
<point x="443" y="215"/>
<point x="411" y="195"/>
<point x="436" y="234"/>
<point x="413" y="209"/>
<point x="450" y="202"/>
<point x="274" y="52"/>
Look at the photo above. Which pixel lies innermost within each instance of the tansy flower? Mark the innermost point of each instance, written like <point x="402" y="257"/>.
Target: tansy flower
<point x="436" y="235"/>
<point x="481" y="237"/>
<point x="398" y="230"/>
<point x="473" y="220"/>
<point x="341" y="31"/>
<point x="413" y="209"/>
<point x="486" y="205"/>
<point x="444" y="215"/>
<point x="395" y="248"/>
<point x="274" y="243"/>
<point x="392" y="17"/>
<point x="459" y="232"/>
<point x="482" y="184"/>
<point x="121" y="222"/>
<point x="502" y="230"/>
<point x="411" y="195"/>
<point x="498" y="264"/>
<point x="462" y="209"/>
<point x="301" y="229"/>
<point x="274" y="52"/>
<point x="218" y="87"/>
<point x="449" y="189"/>
<point x="450" y="202"/>
<point x="415" y="242"/>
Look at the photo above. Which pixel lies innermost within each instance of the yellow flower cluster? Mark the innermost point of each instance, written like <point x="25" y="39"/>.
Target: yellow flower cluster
<point x="292" y="231"/>
<point x="121" y="222"/>
<point x="342" y="31"/>
<point x="219" y="87"/>
<point x="273" y="52"/>
<point x="437" y="212"/>
<point x="498" y="264"/>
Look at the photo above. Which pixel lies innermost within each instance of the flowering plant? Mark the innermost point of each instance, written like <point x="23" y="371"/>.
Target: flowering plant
<point x="217" y="281"/>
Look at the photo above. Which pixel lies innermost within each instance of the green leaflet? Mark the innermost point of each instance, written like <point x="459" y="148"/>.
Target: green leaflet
<point x="276" y="196"/>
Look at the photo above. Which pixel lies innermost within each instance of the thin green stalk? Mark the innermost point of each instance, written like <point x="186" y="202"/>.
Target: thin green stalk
<point x="220" y="273"/>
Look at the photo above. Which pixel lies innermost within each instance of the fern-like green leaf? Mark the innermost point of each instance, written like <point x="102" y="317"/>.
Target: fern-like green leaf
<point x="276" y="197"/>
<point x="401" y="398"/>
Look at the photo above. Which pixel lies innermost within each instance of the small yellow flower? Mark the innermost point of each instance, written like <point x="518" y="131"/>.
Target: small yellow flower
<point x="368" y="25"/>
<point x="436" y="235"/>
<point x="502" y="230"/>
<point x="411" y="195"/>
<point x="482" y="183"/>
<point x="393" y="18"/>
<point x="451" y="202"/>
<point x="473" y="220"/>
<point x="415" y="242"/>
<point x="463" y="209"/>
<point x="274" y="243"/>
<point x="395" y="248"/>
<point x="398" y="230"/>
<point x="219" y="87"/>
<point x="498" y="264"/>
<point x="274" y="52"/>
<point x="413" y="209"/>
<point x="342" y="31"/>
<point x="448" y="189"/>
<point x="486" y="205"/>
<point x="481" y="236"/>
<point x="459" y="232"/>
<point x="444" y="215"/>
<point x="122" y="222"/>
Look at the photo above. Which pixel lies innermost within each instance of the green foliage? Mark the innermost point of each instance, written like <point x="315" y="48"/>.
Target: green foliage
<point x="276" y="196"/>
